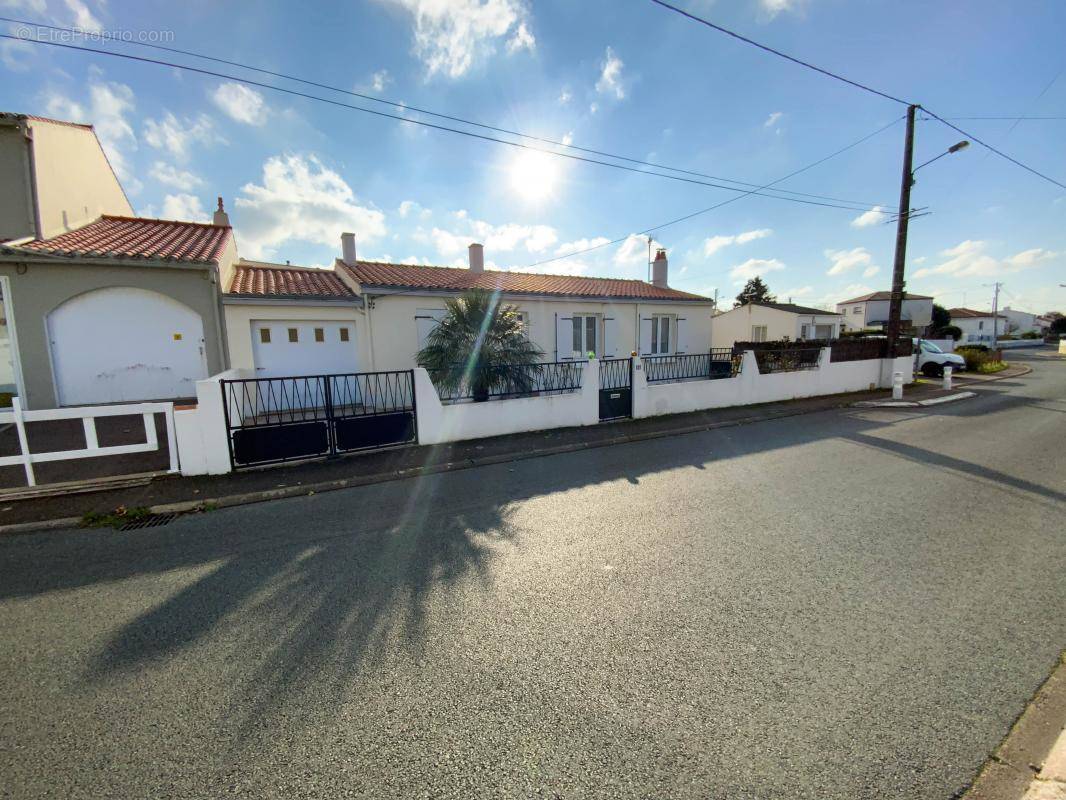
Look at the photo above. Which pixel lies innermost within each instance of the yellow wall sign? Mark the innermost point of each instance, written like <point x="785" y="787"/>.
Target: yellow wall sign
<point x="177" y="337"/>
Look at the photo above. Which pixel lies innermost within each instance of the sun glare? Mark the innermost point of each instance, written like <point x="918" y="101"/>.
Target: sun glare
<point x="533" y="176"/>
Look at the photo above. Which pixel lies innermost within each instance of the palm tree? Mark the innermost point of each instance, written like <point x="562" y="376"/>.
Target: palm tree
<point x="482" y="345"/>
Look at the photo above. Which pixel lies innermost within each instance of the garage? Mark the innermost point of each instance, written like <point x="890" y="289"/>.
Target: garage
<point x="125" y="344"/>
<point x="303" y="347"/>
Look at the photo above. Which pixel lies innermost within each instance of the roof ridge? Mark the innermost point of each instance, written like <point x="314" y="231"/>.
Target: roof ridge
<point x="507" y="271"/>
<point x="271" y="265"/>
<point x="39" y="118"/>
<point x="124" y="217"/>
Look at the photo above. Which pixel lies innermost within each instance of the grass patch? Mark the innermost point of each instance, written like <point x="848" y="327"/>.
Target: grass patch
<point x="114" y="519"/>
<point x="990" y="367"/>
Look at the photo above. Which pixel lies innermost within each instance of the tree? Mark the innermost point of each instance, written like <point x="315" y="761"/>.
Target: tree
<point x="1058" y="325"/>
<point x="754" y="291"/>
<point x="941" y="319"/>
<point x="481" y="345"/>
<point x="949" y="332"/>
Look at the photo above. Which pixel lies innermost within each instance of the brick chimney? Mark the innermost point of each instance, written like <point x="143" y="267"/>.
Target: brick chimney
<point x="477" y="257"/>
<point x="220" y="218"/>
<point x="659" y="269"/>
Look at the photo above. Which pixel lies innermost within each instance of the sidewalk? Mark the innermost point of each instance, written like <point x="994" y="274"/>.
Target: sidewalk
<point x="174" y="493"/>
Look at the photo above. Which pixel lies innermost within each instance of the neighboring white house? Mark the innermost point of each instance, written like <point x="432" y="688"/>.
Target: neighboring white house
<point x="1019" y="322"/>
<point x="871" y="311"/>
<point x="766" y="322"/>
<point x="977" y="326"/>
<point x="364" y="316"/>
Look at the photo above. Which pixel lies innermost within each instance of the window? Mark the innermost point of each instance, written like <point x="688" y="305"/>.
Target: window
<point x="823" y="331"/>
<point x="805" y="331"/>
<point x="264" y="335"/>
<point x="980" y="325"/>
<point x="426" y="320"/>
<point x="856" y="310"/>
<point x="294" y="335"/>
<point x="660" y="334"/>
<point x="585" y="327"/>
<point x="320" y="335"/>
<point x="344" y="334"/>
<point x="758" y="333"/>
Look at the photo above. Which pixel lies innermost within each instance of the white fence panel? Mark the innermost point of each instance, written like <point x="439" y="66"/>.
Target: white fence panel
<point x="88" y="416"/>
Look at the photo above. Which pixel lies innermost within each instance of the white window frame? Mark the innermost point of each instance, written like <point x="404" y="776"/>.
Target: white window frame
<point x="13" y="340"/>
<point x="658" y="346"/>
<point x="598" y="329"/>
<point x="761" y="335"/>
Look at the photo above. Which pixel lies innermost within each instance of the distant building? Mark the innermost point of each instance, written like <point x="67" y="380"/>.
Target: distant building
<point x="767" y="322"/>
<point x="1019" y="322"/>
<point x="871" y="312"/>
<point x="978" y="327"/>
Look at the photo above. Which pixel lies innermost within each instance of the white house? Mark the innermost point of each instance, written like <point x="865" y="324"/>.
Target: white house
<point x="978" y="326"/>
<point x="1019" y="322"/>
<point x="765" y="322"/>
<point x="871" y="311"/>
<point x="362" y="316"/>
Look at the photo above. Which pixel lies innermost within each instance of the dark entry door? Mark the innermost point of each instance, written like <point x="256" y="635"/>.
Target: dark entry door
<point x="616" y="388"/>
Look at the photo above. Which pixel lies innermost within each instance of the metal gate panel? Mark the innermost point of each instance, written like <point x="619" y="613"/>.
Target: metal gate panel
<point x="616" y="388"/>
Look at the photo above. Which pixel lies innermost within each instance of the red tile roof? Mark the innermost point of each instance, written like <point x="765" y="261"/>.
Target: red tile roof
<point x="380" y="274"/>
<point x="967" y="313"/>
<point x="139" y="239"/>
<point x="254" y="279"/>
<point x="883" y="296"/>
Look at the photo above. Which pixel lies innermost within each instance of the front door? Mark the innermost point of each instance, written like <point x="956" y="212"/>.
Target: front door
<point x="616" y="388"/>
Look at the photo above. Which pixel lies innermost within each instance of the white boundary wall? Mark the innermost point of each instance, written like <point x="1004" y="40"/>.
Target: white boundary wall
<point x="203" y="440"/>
<point x="750" y="387"/>
<point x="454" y="422"/>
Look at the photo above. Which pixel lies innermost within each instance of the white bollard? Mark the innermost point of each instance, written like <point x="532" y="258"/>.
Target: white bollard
<point x="947" y="377"/>
<point x="897" y="385"/>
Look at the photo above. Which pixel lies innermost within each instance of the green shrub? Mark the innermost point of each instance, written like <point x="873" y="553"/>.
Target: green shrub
<point x="975" y="358"/>
<point x="992" y="366"/>
<point x="1031" y="335"/>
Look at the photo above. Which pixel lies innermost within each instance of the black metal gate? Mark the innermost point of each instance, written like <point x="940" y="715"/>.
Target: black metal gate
<point x="616" y="388"/>
<point x="273" y="420"/>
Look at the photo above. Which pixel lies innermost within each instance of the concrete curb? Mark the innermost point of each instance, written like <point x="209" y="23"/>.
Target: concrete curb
<point x="932" y="401"/>
<point x="246" y="498"/>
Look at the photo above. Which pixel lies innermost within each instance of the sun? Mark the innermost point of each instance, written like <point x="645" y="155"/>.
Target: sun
<point x="534" y="176"/>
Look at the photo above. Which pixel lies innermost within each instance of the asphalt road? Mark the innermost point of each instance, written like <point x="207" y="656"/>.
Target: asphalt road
<point x="846" y="604"/>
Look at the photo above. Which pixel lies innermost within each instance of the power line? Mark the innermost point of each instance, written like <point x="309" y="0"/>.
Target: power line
<point x="438" y="115"/>
<point x="856" y="84"/>
<point x="1019" y="119"/>
<point x="775" y="52"/>
<point x="719" y="205"/>
<point x="434" y="126"/>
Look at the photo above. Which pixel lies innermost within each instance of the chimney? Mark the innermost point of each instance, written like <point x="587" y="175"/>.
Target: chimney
<point x="220" y="217"/>
<point x="348" y="249"/>
<point x="659" y="269"/>
<point x="477" y="257"/>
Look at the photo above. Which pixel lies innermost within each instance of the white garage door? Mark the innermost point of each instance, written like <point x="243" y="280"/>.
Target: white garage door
<point x="123" y="344"/>
<point x="315" y="347"/>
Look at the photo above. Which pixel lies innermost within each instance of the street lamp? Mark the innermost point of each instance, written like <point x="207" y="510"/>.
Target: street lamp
<point x="895" y="305"/>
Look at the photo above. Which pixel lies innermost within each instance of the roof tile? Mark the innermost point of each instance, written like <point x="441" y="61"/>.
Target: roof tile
<point x="253" y="279"/>
<point x="381" y="274"/>
<point x="137" y="238"/>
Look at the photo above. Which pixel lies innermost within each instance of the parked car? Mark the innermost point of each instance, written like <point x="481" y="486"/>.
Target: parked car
<point x="932" y="360"/>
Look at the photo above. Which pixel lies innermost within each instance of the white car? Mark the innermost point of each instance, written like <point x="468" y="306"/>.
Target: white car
<point x="932" y="360"/>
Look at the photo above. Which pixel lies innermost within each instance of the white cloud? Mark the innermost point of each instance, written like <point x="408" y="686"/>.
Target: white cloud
<point x="971" y="258"/>
<point x="83" y="17"/>
<point x="716" y="243"/>
<point x="449" y="34"/>
<point x="773" y="119"/>
<point x="110" y="104"/>
<point x="568" y="139"/>
<point x="241" y="103"/>
<point x="594" y="107"/>
<point x="177" y="136"/>
<point x="868" y="218"/>
<point x="16" y="55"/>
<point x="801" y="291"/>
<point x="581" y="244"/>
<point x="411" y="208"/>
<point x="610" y="81"/>
<point x="505" y="238"/>
<point x="846" y="260"/>
<point x="754" y="266"/>
<point x="869" y="272"/>
<point x="184" y="207"/>
<point x="771" y="8"/>
<point x="856" y="290"/>
<point x="301" y="199"/>
<point x="36" y="6"/>
<point x="169" y="175"/>
<point x="379" y="80"/>
<point x="522" y="40"/>
<point x="565" y="97"/>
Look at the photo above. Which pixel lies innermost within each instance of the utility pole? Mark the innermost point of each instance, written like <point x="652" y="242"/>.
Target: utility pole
<point x="995" y="313"/>
<point x="895" y="305"/>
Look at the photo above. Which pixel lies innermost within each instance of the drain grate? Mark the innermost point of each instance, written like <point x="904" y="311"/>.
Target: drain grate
<point x="152" y="521"/>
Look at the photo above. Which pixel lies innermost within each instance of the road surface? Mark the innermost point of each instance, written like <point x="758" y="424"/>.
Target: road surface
<point x="845" y="604"/>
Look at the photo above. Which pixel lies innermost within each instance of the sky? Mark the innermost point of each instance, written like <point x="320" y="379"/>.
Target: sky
<point x="620" y="76"/>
